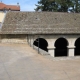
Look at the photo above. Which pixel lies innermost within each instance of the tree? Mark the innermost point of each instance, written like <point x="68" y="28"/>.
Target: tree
<point x="59" y="5"/>
<point x="65" y="5"/>
<point x="47" y="5"/>
<point x="76" y="7"/>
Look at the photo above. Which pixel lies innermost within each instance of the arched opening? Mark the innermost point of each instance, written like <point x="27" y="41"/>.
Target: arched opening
<point x="77" y="47"/>
<point x="42" y="43"/>
<point x="61" y="47"/>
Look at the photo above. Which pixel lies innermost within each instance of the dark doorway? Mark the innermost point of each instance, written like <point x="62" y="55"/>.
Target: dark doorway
<point x="42" y="43"/>
<point x="61" y="47"/>
<point x="77" y="47"/>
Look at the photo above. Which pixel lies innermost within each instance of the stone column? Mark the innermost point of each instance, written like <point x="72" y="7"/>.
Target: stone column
<point x="71" y="50"/>
<point x="51" y="47"/>
<point x="29" y="40"/>
<point x="32" y="40"/>
<point x="71" y="47"/>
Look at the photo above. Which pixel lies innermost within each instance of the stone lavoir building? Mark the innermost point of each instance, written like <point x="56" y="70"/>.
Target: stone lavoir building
<point x="55" y="33"/>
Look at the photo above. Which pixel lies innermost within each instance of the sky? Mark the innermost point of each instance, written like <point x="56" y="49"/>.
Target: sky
<point x="25" y="5"/>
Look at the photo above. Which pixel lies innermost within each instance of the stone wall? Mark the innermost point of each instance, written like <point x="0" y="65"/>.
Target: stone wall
<point x="51" y="41"/>
<point x="13" y="38"/>
<point x="40" y="51"/>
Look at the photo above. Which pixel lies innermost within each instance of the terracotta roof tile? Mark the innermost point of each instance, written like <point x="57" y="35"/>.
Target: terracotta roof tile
<point x="11" y="7"/>
<point x="2" y="5"/>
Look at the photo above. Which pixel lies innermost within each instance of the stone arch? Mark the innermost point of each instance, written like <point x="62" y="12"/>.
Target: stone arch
<point x="42" y="43"/>
<point x="77" y="47"/>
<point x="61" y="47"/>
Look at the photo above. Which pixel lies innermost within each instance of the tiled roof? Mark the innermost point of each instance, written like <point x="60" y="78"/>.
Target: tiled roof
<point x="41" y="23"/>
<point x="9" y="7"/>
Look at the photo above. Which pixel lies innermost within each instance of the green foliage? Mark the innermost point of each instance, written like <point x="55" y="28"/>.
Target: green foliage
<point x="46" y="5"/>
<point x="76" y="7"/>
<point x="64" y="5"/>
<point x="58" y="5"/>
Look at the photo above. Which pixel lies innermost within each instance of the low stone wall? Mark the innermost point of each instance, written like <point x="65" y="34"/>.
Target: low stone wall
<point x="13" y="39"/>
<point x="42" y="52"/>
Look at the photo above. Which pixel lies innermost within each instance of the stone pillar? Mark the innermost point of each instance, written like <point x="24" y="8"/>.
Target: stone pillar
<point x="29" y="40"/>
<point x="32" y="40"/>
<point x="0" y="38"/>
<point x="51" y="47"/>
<point x="71" y="47"/>
<point x="71" y="51"/>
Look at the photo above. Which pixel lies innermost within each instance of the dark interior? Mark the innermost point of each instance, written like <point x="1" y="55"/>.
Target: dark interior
<point x="61" y="47"/>
<point x="77" y="47"/>
<point x="42" y="43"/>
